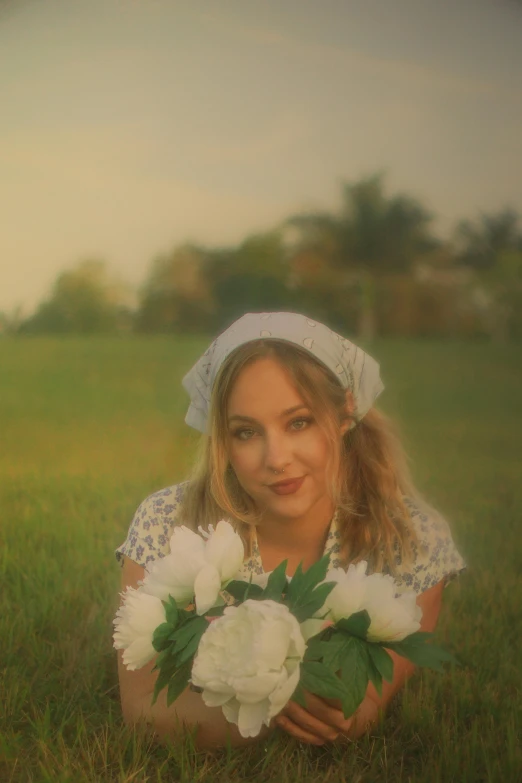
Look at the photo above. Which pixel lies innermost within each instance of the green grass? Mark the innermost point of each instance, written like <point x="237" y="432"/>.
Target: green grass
<point x="88" y="428"/>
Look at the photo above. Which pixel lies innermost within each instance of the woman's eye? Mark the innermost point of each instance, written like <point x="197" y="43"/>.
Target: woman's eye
<point x="306" y="421"/>
<point x="239" y="433"/>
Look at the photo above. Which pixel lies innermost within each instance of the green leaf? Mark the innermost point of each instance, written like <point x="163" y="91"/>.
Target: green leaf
<point x="216" y="611"/>
<point x="374" y="675"/>
<point x="277" y="582"/>
<point x="163" y="656"/>
<point x="302" y="584"/>
<point x="185" y="615"/>
<point x="295" y="586"/>
<point x="312" y="602"/>
<point x="428" y="655"/>
<point x="356" y="625"/>
<point x="416" y="648"/>
<point x="318" y="679"/>
<point x="195" y="627"/>
<point x="315" y="648"/>
<point x="253" y="591"/>
<point x="237" y="589"/>
<point x="167" y="670"/>
<point x="329" y="651"/>
<point x="417" y="638"/>
<point x="160" y="637"/>
<point x="382" y="660"/>
<point x="305" y="602"/>
<point x="190" y="648"/>
<point x="334" y="653"/>
<point x="171" y="611"/>
<point x="321" y="592"/>
<point x="179" y="682"/>
<point x="317" y="572"/>
<point x="354" y="674"/>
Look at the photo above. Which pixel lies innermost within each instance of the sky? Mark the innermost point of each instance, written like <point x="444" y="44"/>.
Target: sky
<point x="128" y="127"/>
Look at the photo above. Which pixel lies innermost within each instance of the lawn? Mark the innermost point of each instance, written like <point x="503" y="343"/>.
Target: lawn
<point x="89" y="427"/>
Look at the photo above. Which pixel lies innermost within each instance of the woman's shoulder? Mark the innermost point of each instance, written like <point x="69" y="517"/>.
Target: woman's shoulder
<point x="429" y="525"/>
<point x="162" y="504"/>
<point x="152" y="525"/>
<point x="435" y="556"/>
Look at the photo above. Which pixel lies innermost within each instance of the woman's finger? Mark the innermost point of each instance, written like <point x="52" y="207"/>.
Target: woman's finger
<point x="296" y="731"/>
<point x="310" y="722"/>
<point x="332" y="716"/>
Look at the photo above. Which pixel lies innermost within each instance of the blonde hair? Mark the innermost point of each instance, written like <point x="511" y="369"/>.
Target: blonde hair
<point x="367" y="467"/>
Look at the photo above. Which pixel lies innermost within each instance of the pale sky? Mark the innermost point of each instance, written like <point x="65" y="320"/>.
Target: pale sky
<point x="130" y="126"/>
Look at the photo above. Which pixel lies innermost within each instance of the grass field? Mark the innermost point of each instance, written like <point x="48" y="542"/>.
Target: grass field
<point x="89" y="427"/>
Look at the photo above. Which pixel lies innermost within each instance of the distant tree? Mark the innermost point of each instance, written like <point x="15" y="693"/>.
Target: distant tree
<point x="177" y="295"/>
<point x="83" y="300"/>
<point x="492" y="246"/>
<point x="11" y="321"/>
<point x="321" y="291"/>
<point x="480" y="243"/>
<point x="372" y="234"/>
<point x="251" y="277"/>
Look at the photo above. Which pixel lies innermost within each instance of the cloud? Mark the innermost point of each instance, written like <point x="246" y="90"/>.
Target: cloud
<point x="374" y="64"/>
<point x="70" y="195"/>
<point x="283" y="133"/>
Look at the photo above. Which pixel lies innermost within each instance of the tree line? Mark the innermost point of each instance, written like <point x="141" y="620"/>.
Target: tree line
<point x="375" y="267"/>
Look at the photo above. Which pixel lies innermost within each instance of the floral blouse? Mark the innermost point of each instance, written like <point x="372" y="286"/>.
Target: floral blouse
<point x="436" y="559"/>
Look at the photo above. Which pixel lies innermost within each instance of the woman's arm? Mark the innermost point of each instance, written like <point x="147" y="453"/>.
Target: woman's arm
<point x="430" y="602"/>
<point x="137" y="688"/>
<point x="323" y="719"/>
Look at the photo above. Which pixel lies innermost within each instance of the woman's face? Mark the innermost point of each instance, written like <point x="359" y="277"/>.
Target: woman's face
<point x="270" y="429"/>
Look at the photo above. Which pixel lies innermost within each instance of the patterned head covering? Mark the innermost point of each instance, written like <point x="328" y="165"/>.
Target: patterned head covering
<point x="354" y="368"/>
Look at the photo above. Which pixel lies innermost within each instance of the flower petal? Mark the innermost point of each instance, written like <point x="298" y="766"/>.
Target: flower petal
<point x="138" y="653"/>
<point x="253" y="689"/>
<point x="134" y="625"/>
<point x="184" y="539"/>
<point x="206" y="588"/>
<point x="214" y="698"/>
<point x="225" y="550"/>
<point x="391" y="618"/>
<point x="251" y="717"/>
<point x="231" y="710"/>
<point x="281" y="695"/>
<point x="254" y="649"/>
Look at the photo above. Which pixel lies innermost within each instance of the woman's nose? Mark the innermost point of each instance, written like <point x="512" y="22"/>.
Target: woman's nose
<point x="277" y="453"/>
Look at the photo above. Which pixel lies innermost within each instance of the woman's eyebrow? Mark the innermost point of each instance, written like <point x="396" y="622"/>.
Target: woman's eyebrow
<point x="287" y="412"/>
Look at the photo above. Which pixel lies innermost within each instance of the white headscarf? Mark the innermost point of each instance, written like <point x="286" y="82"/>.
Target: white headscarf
<point x="354" y="368"/>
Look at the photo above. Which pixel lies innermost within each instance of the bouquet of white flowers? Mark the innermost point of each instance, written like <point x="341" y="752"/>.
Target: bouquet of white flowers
<point x="250" y="647"/>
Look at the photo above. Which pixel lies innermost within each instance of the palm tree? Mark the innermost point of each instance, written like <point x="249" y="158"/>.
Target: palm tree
<point x="492" y="247"/>
<point x="480" y="243"/>
<point x="372" y="234"/>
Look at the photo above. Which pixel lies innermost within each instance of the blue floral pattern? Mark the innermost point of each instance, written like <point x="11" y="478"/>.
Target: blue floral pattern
<point x="435" y="558"/>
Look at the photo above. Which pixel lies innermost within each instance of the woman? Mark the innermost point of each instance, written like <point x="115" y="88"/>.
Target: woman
<point x="282" y="398"/>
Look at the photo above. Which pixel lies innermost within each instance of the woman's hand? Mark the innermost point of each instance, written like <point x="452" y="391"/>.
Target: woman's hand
<point x="323" y="721"/>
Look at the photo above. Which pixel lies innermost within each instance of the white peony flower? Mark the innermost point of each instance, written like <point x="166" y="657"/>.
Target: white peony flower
<point x="347" y="596"/>
<point x="134" y="624"/>
<point x="391" y="618"/>
<point x="196" y="567"/>
<point x="248" y="663"/>
<point x="176" y="573"/>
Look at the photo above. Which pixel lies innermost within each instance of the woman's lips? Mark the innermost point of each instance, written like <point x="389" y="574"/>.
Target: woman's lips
<point x="288" y="489"/>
